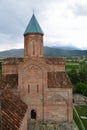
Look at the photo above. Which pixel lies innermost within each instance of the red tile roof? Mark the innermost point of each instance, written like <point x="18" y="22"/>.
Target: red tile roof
<point x="12" y="111"/>
<point x="48" y="60"/>
<point x="58" y="80"/>
<point x="54" y="61"/>
<point x="12" y="61"/>
<point x="9" y="81"/>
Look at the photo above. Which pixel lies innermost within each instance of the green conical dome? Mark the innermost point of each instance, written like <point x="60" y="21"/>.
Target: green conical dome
<point x="33" y="27"/>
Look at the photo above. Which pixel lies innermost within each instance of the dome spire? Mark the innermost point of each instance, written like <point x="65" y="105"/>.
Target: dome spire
<point x="33" y="26"/>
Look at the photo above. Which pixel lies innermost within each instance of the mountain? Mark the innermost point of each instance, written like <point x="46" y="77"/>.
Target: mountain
<point x="51" y="51"/>
<point x="12" y="53"/>
<point x="66" y="47"/>
<point x="48" y="51"/>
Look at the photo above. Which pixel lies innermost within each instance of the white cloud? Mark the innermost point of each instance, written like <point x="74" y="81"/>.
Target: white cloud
<point x="64" y="22"/>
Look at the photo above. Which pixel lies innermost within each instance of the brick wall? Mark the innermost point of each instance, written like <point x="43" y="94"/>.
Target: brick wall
<point x="33" y="45"/>
<point x="9" y="69"/>
<point x="35" y="93"/>
<point x="57" y="100"/>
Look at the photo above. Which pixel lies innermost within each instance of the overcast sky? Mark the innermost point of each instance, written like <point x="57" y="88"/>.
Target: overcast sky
<point x="64" y="22"/>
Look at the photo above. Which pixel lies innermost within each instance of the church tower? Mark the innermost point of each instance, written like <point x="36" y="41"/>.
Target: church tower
<point x="33" y="39"/>
<point x="41" y="82"/>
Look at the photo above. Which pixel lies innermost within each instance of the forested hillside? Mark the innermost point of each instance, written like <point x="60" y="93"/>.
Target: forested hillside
<point x="48" y="51"/>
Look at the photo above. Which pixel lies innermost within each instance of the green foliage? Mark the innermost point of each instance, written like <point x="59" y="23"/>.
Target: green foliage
<point x="77" y="121"/>
<point x="70" y="66"/>
<point x="81" y="88"/>
<point x="78" y="77"/>
<point x="74" y="76"/>
<point x="0" y="67"/>
<point x="85" y="123"/>
<point x="82" y="111"/>
<point x="83" y="106"/>
<point x="83" y="72"/>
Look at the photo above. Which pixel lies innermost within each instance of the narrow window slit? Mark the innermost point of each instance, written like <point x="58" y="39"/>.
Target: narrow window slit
<point x="37" y="88"/>
<point x="33" y="49"/>
<point x="28" y="88"/>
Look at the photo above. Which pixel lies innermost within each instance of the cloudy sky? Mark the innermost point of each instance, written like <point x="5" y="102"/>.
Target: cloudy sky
<point x="64" y="22"/>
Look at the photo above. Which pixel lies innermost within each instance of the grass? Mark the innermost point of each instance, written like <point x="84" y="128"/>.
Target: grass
<point x="83" y="106"/>
<point x="82" y="111"/>
<point x="77" y="121"/>
<point x="70" y="66"/>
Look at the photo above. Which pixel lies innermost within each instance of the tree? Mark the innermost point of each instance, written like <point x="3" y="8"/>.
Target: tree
<point x="81" y="88"/>
<point x="74" y="76"/>
<point x="83" y="72"/>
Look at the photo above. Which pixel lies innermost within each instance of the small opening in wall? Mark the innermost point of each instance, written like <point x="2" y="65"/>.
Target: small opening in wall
<point x="33" y="114"/>
<point x="28" y="88"/>
<point x="41" y="47"/>
<point x="33" y="49"/>
<point x="37" y="88"/>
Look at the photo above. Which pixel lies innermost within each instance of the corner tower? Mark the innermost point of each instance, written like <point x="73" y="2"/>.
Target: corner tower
<point x="33" y="39"/>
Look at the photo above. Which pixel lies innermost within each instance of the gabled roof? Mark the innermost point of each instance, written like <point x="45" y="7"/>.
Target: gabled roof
<point x="33" y="26"/>
<point x="13" y="110"/>
<point x="8" y="81"/>
<point x="12" y="61"/>
<point x="54" y="61"/>
<point x="58" y="80"/>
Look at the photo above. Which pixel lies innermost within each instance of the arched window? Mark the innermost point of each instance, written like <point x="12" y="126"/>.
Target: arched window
<point x="33" y="114"/>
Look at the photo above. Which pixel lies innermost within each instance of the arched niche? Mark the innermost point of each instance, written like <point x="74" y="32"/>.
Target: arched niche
<point x="33" y="114"/>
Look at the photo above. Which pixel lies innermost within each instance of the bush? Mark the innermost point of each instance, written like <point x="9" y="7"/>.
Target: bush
<point x="74" y="76"/>
<point x="81" y="88"/>
<point x="83" y="72"/>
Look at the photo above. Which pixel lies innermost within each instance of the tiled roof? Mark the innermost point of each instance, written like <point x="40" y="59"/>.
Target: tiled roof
<point x="33" y="26"/>
<point x="9" y="81"/>
<point x="58" y="80"/>
<point x="48" y="60"/>
<point x="12" y="111"/>
<point x="54" y="60"/>
<point x="12" y="61"/>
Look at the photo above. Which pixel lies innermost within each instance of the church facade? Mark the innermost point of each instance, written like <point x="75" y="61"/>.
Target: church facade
<point x="41" y="82"/>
